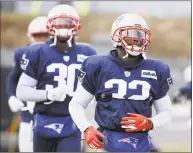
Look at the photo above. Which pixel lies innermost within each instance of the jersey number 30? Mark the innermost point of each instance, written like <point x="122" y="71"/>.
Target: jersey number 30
<point x="123" y="86"/>
<point x="66" y="76"/>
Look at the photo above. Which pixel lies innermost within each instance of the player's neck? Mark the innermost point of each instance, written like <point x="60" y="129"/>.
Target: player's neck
<point x="128" y="60"/>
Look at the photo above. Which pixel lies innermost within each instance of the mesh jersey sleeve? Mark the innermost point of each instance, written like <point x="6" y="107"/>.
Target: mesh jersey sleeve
<point x="30" y="62"/>
<point x="87" y="74"/>
<point x="164" y="80"/>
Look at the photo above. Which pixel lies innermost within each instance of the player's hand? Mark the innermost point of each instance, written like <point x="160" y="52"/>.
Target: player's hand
<point x="57" y="94"/>
<point x="92" y="137"/>
<point x="136" y="122"/>
<point x="30" y="106"/>
<point x="15" y="104"/>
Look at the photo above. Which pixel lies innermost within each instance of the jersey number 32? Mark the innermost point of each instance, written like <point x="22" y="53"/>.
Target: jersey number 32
<point x="123" y="87"/>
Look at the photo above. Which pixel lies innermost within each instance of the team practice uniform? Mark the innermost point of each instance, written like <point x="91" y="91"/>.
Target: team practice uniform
<point x="125" y="88"/>
<point x="125" y="85"/>
<point x="52" y="68"/>
<point x="25" y="139"/>
<point x="54" y="129"/>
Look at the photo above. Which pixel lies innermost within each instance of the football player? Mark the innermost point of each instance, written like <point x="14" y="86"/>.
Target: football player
<point x="52" y="68"/>
<point x="185" y="91"/>
<point x="184" y="94"/>
<point x="126" y="85"/>
<point x="37" y="32"/>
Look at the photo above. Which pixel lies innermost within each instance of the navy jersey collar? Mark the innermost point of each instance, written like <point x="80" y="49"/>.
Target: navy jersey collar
<point x="114" y="56"/>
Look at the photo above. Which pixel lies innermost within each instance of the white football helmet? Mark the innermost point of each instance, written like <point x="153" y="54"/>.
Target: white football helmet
<point x="187" y="75"/>
<point x="63" y="21"/>
<point x="37" y="26"/>
<point x="131" y="32"/>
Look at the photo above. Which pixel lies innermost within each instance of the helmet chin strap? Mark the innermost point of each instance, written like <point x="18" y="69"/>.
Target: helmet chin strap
<point x="55" y="38"/>
<point x="69" y="41"/>
<point x="126" y="55"/>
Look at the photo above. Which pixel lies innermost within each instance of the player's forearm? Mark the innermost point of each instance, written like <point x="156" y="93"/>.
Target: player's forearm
<point x="26" y="93"/>
<point x="161" y="119"/>
<point x="163" y="110"/>
<point x="77" y="112"/>
<point x="77" y="107"/>
<point x="26" y="90"/>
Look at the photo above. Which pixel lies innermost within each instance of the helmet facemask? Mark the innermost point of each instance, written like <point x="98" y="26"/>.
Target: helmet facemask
<point x="63" y="28"/>
<point x="133" y="39"/>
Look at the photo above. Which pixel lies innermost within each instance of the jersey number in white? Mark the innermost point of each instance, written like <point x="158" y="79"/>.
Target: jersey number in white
<point x="66" y="76"/>
<point x="123" y="86"/>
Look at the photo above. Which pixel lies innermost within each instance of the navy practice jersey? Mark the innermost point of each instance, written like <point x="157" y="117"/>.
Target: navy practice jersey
<point x="13" y="79"/>
<point x="121" y="88"/>
<point x="53" y="68"/>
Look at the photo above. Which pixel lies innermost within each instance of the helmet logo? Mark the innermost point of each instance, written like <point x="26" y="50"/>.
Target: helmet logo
<point x="63" y="14"/>
<point x="138" y="25"/>
<point x="118" y="20"/>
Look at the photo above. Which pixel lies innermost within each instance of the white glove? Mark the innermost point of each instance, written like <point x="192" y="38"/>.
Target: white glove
<point x="15" y="104"/>
<point x="57" y="94"/>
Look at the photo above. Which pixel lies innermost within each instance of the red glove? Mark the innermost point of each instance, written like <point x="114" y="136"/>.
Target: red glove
<point x="136" y="122"/>
<point x="92" y="137"/>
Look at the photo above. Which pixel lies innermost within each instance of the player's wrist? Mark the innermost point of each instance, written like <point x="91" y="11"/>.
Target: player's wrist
<point x="87" y="128"/>
<point x="12" y="97"/>
<point x="150" y="123"/>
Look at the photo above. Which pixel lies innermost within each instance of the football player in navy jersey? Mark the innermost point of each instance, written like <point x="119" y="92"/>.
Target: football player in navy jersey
<point x="184" y="94"/>
<point x="37" y="32"/>
<point x="126" y="85"/>
<point x="186" y="90"/>
<point x="52" y="68"/>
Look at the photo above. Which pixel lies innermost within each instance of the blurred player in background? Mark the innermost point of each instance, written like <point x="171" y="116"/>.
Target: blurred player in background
<point x="184" y="95"/>
<point x="125" y="84"/>
<point x="37" y="32"/>
<point x="52" y="68"/>
<point x="185" y="91"/>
